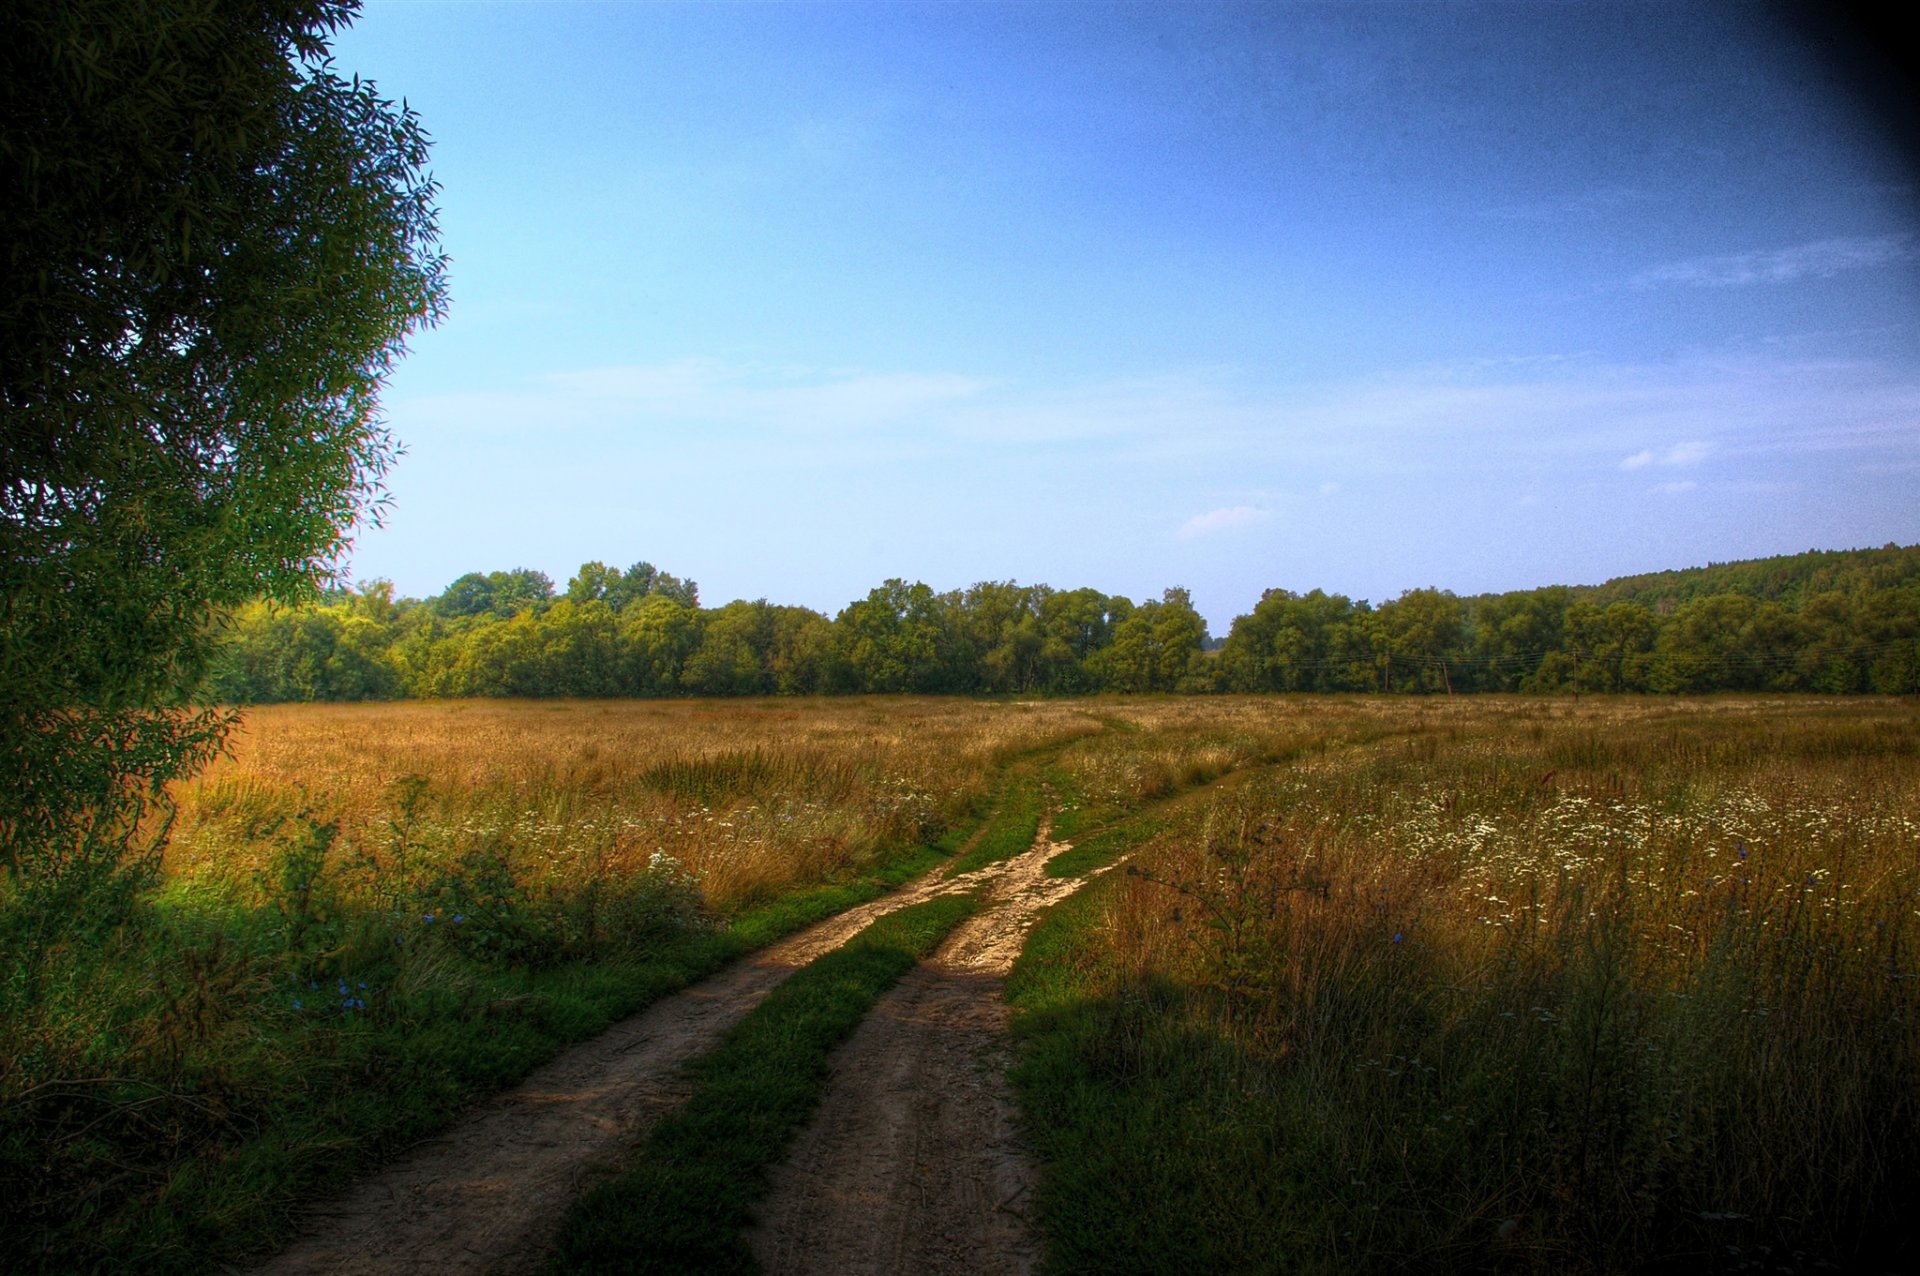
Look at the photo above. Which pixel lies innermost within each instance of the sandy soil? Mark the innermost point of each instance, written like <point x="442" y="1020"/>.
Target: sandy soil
<point x="488" y="1195"/>
<point x="912" y="1163"/>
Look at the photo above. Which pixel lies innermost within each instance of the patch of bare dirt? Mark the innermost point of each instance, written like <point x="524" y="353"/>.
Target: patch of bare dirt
<point x="912" y="1163"/>
<point x="488" y="1195"/>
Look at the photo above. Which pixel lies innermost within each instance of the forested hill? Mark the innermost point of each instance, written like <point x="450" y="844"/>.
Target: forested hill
<point x="1839" y="623"/>
<point x="1787" y="579"/>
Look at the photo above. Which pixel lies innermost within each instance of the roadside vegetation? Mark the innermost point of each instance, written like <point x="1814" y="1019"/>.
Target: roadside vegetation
<point x="1372" y="983"/>
<point x="369" y="916"/>
<point x="1491" y="985"/>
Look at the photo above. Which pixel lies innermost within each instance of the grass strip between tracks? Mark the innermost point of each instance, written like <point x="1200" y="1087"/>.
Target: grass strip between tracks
<point x="683" y="1206"/>
<point x="1010" y="829"/>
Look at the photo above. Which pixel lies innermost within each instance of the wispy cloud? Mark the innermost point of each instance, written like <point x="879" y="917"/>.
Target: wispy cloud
<point x="1222" y="520"/>
<point x="1207" y="425"/>
<point x="1129" y="483"/>
<point x="707" y="392"/>
<point x="1821" y="259"/>
<point x="1691" y="452"/>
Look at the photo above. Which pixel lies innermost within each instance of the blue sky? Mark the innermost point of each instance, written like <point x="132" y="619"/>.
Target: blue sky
<point x="795" y="298"/>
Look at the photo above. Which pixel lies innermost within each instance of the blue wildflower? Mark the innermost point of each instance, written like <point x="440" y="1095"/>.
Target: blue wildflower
<point x="1398" y="936"/>
<point x="297" y="1005"/>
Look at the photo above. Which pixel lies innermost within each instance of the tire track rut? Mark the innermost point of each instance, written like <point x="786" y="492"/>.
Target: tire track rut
<point x="488" y="1195"/>
<point x="913" y="1163"/>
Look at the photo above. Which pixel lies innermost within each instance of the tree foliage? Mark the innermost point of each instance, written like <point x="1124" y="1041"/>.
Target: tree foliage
<point x="1005" y="638"/>
<point x="212" y="248"/>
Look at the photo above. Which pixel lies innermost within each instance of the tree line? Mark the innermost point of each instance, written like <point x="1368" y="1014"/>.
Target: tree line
<point x="1839" y="623"/>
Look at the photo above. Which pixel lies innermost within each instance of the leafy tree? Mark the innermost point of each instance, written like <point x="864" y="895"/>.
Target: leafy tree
<point x="1300" y="642"/>
<point x="658" y="635"/>
<point x="1180" y="634"/>
<point x="214" y="249"/>
<point x="800" y="650"/>
<point x="579" y="651"/>
<point x="757" y="648"/>
<point x="1513" y="632"/>
<point x="1074" y="625"/>
<point x="996" y="647"/>
<point x="891" y="640"/>
<point x="644" y="579"/>
<point x="593" y="582"/>
<point x="1788" y="579"/>
<point x="1890" y="622"/>
<point x="1158" y="647"/>
<point x="1418" y="633"/>
<point x="1610" y="645"/>
<point x="335" y="652"/>
<point x="1830" y="653"/>
<point x="501" y="594"/>
<point x="495" y="658"/>
<point x="469" y="595"/>
<point x="731" y="657"/>
<point x="1001" y="637"/>
<point x="1727" y="642"/>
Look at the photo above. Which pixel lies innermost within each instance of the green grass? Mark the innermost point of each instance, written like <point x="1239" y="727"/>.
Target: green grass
<point x="297" y="1095"/>
<point x="1143" y="1169"/>
<point x="1524" y="988"/>
<point x="683" y="1206"/>
<point x="1104" y="833"/>
<point x="1104" y="847"/>
<point x="1009" y="830"/>
<point x="181" y="1072"/>
<point x="1076" y="814"/>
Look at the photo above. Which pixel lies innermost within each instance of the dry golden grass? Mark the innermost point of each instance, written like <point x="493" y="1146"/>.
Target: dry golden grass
<point x="1410" y="984"/>
<point x="1560" y="983"/>
<point x="749" y="797"/>
<point x="371" y="914"/>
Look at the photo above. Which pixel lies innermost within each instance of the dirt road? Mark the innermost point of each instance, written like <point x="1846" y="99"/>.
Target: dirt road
<point x="912" y="1164"/>
<point x="914" y="1146"/>
<point x="488" y="1195"/>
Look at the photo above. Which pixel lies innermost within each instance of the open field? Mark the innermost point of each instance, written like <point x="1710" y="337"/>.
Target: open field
<point x="750" y="798"/>
<point x="371" y="915"/>
<point x="1480" y="984"/>
<point x="1373" y="983"/>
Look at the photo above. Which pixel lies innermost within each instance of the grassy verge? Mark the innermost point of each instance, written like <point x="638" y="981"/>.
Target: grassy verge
<point x="1144" y="1170"/>
<point x="683" y="1206"/>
